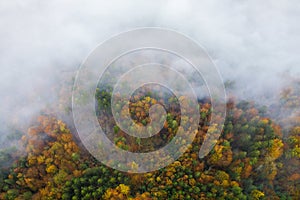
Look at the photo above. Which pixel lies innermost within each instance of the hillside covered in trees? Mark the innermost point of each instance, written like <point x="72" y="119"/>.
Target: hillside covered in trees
<point x="255" y="158"/>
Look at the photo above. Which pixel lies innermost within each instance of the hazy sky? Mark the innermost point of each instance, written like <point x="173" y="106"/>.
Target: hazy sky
<point x="252" y="42"/>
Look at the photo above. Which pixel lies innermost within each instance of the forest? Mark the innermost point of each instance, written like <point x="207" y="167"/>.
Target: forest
<point x="256" y="157"/>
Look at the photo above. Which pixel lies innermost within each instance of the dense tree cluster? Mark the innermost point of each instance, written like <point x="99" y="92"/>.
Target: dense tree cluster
<point x="52" y="158"/>
<point x="251" y="160"/>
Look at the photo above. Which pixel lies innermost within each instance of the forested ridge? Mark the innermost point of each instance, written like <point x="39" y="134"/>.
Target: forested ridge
<point x="254" y="158"/>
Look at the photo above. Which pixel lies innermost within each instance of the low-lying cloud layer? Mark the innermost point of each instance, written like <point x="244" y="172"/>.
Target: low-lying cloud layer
<point x="253" y="43"/>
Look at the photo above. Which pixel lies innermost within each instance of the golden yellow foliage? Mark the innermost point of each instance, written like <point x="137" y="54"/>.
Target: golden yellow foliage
<point x="51" y="169"/>
<point x="276" y="150"/>
<point x="124" y="189"/>
<point x="256" y="195"/>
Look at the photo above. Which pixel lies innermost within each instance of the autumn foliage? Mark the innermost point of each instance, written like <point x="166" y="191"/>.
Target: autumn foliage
<point x="251" y="160"/>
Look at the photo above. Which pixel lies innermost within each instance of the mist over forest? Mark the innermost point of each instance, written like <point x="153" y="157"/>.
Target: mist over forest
<point x="254" y="45"/>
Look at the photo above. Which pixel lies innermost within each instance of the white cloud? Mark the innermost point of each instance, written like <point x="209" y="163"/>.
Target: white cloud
<point x="252" y="42"/>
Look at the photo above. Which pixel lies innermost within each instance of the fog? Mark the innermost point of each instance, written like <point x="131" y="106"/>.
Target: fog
<point x="255" y="44"/>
